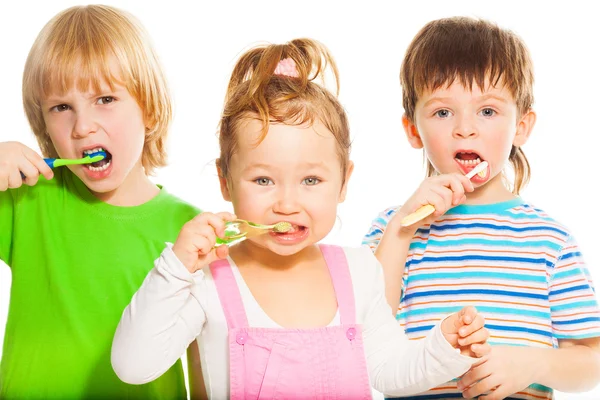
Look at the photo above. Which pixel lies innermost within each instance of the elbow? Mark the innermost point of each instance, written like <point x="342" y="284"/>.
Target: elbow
<point x="129" y="363"/>
<point x="131" y="370"/>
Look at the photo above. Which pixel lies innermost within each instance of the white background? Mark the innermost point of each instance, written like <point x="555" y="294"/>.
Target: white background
<point x="199" y="43"/>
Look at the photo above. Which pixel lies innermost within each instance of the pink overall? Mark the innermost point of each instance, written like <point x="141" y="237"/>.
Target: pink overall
<point x="317" y="363"/>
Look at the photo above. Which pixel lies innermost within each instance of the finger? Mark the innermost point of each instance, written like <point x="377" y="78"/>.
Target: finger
<point x="437" y="202"/>
<point x="470" y="315"/>
<point x="465" y="183"/>
<point x="481" y="349"/>
<point x="213" y="220"/>
<point x="498" y="393"/>
<point x="458" y="189"/>
<point x="445" y="194"/>
<point x="30" y="172"/>
<point x="478" y="336"/>
<point x="35" y="159"/>
<point x="471" y="377"/>
<point x="225" y="217"/>
<point x="217" y="253"/>
<point x="483" y="385"/>
<point x="204" y="239"/>
<point x="222" y="252"/>
<point x="14" y="179"/>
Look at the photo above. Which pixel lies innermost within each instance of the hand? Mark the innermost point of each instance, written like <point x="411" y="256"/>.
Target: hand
<point x="16" y="158"/>
<point x="465" y="330"/>
<point x="503" y="372"/>
<point x="442" y="192"/>
<point x="195" y="245"/>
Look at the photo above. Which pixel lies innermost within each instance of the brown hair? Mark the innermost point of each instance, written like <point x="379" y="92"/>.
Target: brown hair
<point x="76" y="48"/>
<point x="255" y="92"/>
<point x="470" y="51"/>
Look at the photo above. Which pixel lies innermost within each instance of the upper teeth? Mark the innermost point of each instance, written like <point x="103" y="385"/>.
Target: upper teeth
<point x="469" y="162"/>
<point x="92" y="151"/>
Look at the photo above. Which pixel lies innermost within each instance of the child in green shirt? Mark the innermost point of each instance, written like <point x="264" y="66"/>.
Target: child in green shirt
<point x="80" y="241"/>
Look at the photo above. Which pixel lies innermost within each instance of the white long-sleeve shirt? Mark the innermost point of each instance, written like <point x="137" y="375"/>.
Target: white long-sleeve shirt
<point x="174" y="307"/>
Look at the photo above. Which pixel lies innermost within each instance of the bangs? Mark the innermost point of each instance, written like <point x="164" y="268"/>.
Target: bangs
<point x="84" y="72"/>
<point x="82" y="51"/>
<point x="470" y="52"/>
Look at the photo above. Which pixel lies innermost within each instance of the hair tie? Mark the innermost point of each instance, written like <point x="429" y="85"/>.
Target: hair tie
<point x="286" y="67"/>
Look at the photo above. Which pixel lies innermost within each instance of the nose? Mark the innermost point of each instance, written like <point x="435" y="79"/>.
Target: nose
<point x="85" y="123"/>
<point x="286" y="201"/>
<point x="465" y="127"/>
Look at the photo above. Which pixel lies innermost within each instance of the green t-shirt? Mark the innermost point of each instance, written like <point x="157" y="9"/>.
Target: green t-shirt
<point x="76" y="263"/>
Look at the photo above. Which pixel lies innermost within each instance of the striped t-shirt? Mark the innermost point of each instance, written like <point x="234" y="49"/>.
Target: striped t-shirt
<point x="520" y="268"/>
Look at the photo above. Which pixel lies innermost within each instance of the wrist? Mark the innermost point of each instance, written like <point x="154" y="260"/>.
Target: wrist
<point x="400" y="232"/>
<point x="181" y="256"/>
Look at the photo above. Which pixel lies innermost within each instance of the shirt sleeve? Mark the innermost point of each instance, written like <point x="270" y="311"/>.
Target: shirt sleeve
<point x="163" y="318"/>
<point x="378" y="226"/>
<point x="398" y="366"/>
<point x="7" y="211"/>
<point x="573" y="303"/>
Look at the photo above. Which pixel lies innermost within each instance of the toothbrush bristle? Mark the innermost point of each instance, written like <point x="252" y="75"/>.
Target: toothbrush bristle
<point x="97" y="156"/>
<point x="282" y="227"/>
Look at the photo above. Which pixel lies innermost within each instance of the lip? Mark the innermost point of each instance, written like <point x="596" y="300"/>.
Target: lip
<point x="96" y="175"/>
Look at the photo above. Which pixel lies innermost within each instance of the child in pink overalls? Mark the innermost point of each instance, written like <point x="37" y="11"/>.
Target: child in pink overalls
<point x="278" y="315"/>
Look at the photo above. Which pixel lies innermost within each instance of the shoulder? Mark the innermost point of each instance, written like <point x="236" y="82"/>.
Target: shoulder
<point x="363" y="265"/>
<point x="177" y="206"/>
<point x="529" y="217"/>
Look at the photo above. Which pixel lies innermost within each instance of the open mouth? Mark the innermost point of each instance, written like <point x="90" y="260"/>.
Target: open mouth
<point x="468" y="158"/>
<point x="295" y="229"/>
<point x="99" y="165"/>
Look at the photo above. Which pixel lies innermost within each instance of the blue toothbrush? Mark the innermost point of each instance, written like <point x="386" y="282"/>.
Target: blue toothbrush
<point x="89" y="159"/>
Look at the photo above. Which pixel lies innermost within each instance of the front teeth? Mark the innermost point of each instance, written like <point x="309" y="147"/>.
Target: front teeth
<point x="92" y="151"/>
<point x="469" y="162"/>
<point x="102" y="168"/>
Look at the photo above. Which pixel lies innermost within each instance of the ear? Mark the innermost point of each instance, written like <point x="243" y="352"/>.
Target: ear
<point x="223" y="183"/>
<point x="348" y="174"/>
<point x="412" y="134"/>
<point x="524" y="128"/>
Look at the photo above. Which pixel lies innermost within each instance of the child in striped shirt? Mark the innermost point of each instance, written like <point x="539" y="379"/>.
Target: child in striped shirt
<point x="467" y="96"/>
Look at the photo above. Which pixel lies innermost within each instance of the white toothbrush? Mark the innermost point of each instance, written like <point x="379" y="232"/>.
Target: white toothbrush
<point x="428" y="209"/>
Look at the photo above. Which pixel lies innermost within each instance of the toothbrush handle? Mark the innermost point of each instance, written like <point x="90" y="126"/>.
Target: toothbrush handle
<point x="49" y="162"/>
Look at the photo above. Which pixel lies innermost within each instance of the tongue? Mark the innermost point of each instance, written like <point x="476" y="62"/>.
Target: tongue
<point x="100" y="163"/>
<point x="467" y="156"/>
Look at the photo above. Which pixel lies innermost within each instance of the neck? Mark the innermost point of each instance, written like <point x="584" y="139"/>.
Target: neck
<point x="248" y="253"/>
<point x="494" y="191"/>
<point x="135" y="190"/>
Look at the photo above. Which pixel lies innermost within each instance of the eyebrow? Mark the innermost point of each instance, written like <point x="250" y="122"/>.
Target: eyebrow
<point x="88" y="95"/>
<point x="481" y="98"/>
<point x="310" y="165"/>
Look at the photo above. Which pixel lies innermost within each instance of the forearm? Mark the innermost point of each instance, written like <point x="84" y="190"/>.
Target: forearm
<point x="401" y="367"/>
<point x="570" y="369"/>
<point x="159" y="324"/>
<point x="392" y="253"/>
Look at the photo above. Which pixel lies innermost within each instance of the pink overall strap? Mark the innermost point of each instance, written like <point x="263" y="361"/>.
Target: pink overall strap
<point x="229" y="294"/>
<point x="342" y="282"/>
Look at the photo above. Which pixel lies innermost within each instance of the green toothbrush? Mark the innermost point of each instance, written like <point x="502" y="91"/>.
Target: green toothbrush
<point x="89" y="159"/>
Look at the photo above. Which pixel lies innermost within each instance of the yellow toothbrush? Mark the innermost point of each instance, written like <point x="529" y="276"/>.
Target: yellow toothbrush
<point x="428" y="209"/>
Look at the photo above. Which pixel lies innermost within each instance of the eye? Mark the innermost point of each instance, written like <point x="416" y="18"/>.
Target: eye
<point x="442" y="113"/>
<point x="311" y="181"/>
<point x="262" y="181"/>
<point x="105" y="100"/>
<point x="60" y="108"/>
<point x="488" y="112"/>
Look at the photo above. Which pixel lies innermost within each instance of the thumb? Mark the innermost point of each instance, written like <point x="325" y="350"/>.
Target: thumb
<point x="216" y="253"/>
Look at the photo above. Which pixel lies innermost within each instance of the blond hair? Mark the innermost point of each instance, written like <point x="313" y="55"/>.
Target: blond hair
<point x="255" y="92"/>
<point x="471" y="51"/>
<point x="75" y="49"/>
